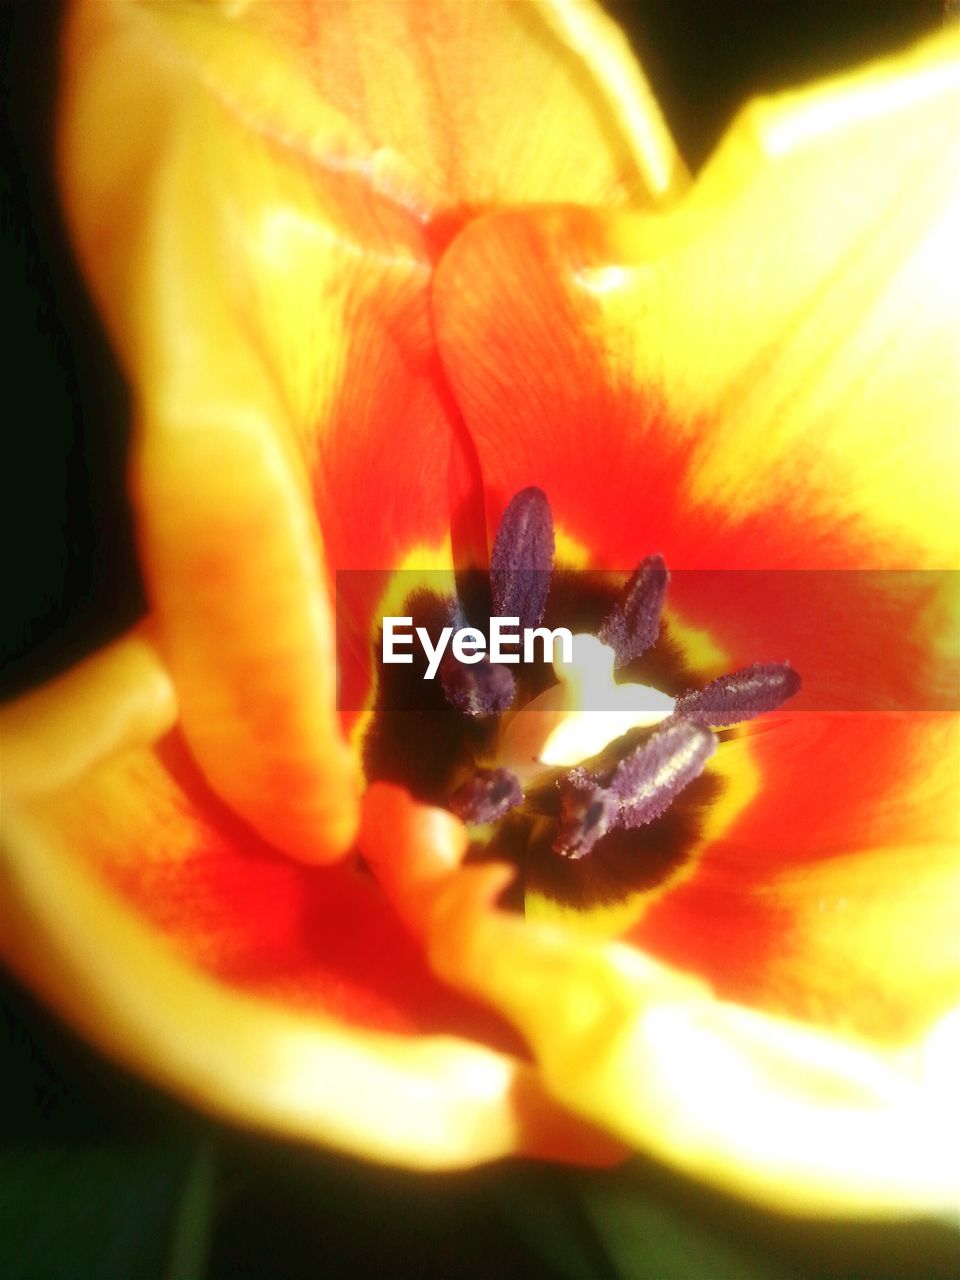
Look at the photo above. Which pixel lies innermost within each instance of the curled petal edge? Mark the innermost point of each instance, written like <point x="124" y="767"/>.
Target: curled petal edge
<point x="779" y="1112"/>
<point x="601" y="45"/>
<point x="429" y="1102"/>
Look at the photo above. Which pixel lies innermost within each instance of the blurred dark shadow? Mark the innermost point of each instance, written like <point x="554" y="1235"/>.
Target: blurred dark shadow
<point x="705" y="58"/>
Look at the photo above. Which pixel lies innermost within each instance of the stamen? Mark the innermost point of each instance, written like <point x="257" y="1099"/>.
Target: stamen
<point x="633" y="626"/>
<point x="487" y="796"/>
<point x="522" y="558"/>
<point x="483" y="689"/>
<point x="641" y="787"/>
<point x="649" y="779"/>
<point x="588" y="722"/>
<point x="740" y="695"/>
<point x="586" y="814"/>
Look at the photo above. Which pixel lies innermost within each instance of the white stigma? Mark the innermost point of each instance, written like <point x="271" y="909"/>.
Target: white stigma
<point x="582" y="714"/>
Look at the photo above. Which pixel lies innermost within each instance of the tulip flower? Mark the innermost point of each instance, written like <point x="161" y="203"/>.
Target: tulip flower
<point x="401" y="289"/>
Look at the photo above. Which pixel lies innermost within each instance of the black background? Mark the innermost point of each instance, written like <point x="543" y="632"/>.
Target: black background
<point x="99" y="1175"/>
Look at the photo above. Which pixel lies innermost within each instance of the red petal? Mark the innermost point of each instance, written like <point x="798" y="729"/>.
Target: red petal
<point x="833" y="894"/>
<point x="320" y="939"/>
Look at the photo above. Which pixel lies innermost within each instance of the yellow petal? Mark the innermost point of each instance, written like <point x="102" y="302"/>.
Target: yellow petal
<point x="771" y="1109"/>
<point x="230" y="543"/>
<point x="831" y="894"/>
<point x="491" y="103"/>
<point x="788" y="1115"/>
<point x="869" y="937"/>
<point x="257" y="205"/>
<point x="430" y="1101"/>
<point x="844" y="382"/>
<point x="423" y="1102"/>
<point x="772" y="362"/>
<point x="120" y="696"/>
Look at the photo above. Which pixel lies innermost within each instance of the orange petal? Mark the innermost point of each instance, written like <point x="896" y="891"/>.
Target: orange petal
<point x="231" y="272"/>
<point x="261" y="248"/>
<point x="785" y="1114"/>
<point x="788" y="1115"/>
<point x="272" y="994"/>
<point x="788" y="910"/>
<point x="762" y="375"/>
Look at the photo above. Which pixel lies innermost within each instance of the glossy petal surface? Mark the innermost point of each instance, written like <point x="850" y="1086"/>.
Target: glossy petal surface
<point x="260" y="236"/>
<point x="762" y="383"/>
<point x="784" y="1113"/>
<point x="274" y="994"/>
<point x="754" y="377"/>
<point x="833" y="895"/>
<point x="490" y="103"/>
<point x="769" y="366"/>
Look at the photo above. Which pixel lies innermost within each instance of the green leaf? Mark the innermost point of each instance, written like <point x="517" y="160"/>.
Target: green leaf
<point x="191" y="1236"/>
<point x="543" y="1208"/>
<point x="644" y="1222"/>
<point x="90" y="1212"/>
<point x="648" y="1237"/>
<point x="657" y="1225"/>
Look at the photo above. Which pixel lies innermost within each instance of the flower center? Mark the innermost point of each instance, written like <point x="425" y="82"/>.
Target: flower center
<point x="579" y="757"/>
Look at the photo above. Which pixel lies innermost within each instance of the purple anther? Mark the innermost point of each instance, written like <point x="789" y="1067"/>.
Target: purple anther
<point x="647" y="781"/>
<point x="522" y="558"/>
<point x="480" y="689"/>
<point x="642" y="787"/>
<point x="487" y="796"/>
<point x="586" y="814"/>
<point x="633" y="626"/>
<point x="740" y="695"/>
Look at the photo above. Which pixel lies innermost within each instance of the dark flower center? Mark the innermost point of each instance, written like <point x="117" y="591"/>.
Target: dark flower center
<point x="513" y="749"/>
